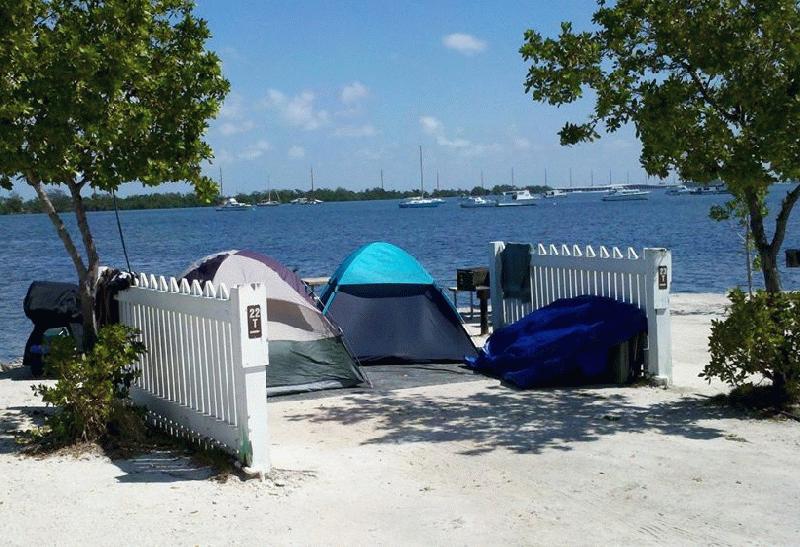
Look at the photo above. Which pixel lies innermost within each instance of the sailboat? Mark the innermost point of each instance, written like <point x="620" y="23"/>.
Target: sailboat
<point x="420" y="202"/>
<point x="269" y="202"/>
<point x="230" y="204"/>
<point x="308" y="200"/>
<point x="476" y="202"/>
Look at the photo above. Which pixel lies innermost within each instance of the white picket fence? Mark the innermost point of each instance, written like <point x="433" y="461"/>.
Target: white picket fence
<point x="569" y="270"/>
<point x="204" y="373"/>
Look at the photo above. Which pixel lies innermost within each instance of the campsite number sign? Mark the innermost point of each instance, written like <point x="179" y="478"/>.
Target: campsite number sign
<point x="254" y="321"/>
<point x="662" y="277"/>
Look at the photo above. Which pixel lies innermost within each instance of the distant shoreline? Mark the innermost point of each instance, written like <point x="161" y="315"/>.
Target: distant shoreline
<point x="14" y="204"/>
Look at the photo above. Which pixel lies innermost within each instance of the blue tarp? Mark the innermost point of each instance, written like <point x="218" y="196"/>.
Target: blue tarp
<point x="566" y="342"/>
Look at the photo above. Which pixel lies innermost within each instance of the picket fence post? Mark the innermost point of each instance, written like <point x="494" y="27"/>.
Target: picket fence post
<point x="250" y="338"/>
<point x="659" y="354"/>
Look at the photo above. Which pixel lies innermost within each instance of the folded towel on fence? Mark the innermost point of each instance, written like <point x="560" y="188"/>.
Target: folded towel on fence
<point x="515" y="271"/>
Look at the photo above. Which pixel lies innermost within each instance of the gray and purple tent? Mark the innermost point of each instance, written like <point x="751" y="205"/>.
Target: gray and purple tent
<point x="306" y="351"/>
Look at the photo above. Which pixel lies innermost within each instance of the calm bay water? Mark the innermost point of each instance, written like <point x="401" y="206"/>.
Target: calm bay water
<point x="707" y="256"/>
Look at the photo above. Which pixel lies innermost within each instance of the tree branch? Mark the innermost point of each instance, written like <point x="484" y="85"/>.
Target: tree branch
<point x="66" y="239"/>
<point x="706" y="94"/>
<point x="83" y="225"/>
<point x="783" y="218"/>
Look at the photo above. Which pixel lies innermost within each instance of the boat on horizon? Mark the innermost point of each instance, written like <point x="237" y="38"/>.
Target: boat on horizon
<point x="713" y="190"/>
<point x="679" y="190"/>
<point x="420" y="202"/>
<point x="231" y="204"/>
<point x="309" y="199"/>
<point x="476" y="202"/>
<point x="517" y="198"/>
<point x="625" y="194"/>
<point x="269" y="202"/>
<point x="554" y="193"/>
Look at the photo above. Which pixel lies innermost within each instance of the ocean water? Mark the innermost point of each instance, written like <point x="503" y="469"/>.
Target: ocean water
<point x="707" y="256"/>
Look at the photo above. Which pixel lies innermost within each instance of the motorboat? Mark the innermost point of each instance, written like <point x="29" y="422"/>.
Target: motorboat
<point x="231" y="204"/>
<point x="306" y="201"/>
<point x="713" y="190"/>
<point x="419" y="203"/>
<point x="476" y="202"/>
<point x="554" y="193"/>
<point x="516" y="198"/>
<point x="680" y="190"/>
<point x="625" y="194"/>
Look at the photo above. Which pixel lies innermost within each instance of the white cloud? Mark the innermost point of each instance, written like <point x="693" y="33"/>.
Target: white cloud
<point x="254" y="151"/>
<point x="366" y="130"/>
<point x="466" y="44"/>
<point x="521" y="143"/>
<point x="298" y="110"/>
<point x="297" y="152"/>
<point x="430" y="125"/>
<point x="434" y="127"/>
<point x="354" y="92"/>
<point x="232" y="128"/>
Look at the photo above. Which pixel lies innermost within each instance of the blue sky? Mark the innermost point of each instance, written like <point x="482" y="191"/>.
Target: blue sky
<point x="353" y="87"/>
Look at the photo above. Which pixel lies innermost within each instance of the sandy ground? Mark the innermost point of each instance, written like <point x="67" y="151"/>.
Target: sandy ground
<point x="461" y="463"/>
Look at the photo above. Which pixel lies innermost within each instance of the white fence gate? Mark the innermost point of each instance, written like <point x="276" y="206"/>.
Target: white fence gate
<point x="569" y="271"/>
<point x="204" y="373"/>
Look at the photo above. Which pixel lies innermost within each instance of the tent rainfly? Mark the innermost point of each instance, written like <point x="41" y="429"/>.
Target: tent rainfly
<point x="306" y="352"/>
<point x="391" y="310"/>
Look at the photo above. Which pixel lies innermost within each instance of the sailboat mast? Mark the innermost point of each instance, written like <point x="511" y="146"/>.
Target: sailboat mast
<point x="512" y="176"/>
<point x="437" y="181"/>
<point x="421" y="180"/>
<point x="220" y="183"/>
<point x="312" y="183"/>
<point x="382" y="179"/>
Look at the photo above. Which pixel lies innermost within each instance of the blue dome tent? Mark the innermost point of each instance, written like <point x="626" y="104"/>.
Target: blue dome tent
<point x="391" y="311"/>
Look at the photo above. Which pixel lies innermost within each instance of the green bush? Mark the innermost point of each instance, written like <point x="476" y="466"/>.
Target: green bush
<point x="91" y="389"/>
<point x="759" y="339"/>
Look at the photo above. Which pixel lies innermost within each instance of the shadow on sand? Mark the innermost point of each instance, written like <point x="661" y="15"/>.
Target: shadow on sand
<point x="520" y="421"/>
<point x="152" y="465"/>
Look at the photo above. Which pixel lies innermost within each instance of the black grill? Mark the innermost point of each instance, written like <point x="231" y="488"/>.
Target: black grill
<point x="467" y="279"/>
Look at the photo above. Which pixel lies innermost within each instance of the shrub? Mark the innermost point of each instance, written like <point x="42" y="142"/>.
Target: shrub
<point x="91" y="389"/>
<point x="760" y="338"/>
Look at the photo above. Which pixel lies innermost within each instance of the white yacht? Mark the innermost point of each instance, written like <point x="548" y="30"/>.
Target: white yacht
<point x="554" y="193"/>
<point x="679" y="190"/>
<point x="516" y="198"/>
<point x="712" y="190"/>
<point x="625" y="194"/>
<point x="420" y="202"/>
<point x="231" y="204"/>
<point x="475" y="202"/>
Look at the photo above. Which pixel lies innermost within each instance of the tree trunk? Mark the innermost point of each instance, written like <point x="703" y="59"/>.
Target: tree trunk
<point x="87" y="275"/>
<point x="88" y="282"/>
<point x="766" y="252"/>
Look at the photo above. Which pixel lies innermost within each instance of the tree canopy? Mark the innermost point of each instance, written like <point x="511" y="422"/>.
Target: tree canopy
<point x="711" y="87"/>
<point x="95" y="93"/>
